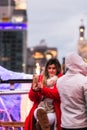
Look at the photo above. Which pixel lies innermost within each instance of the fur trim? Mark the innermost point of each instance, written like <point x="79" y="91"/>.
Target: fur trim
<point x="51" y="81"/>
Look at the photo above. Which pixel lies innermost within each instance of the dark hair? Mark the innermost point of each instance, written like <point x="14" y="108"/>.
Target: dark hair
<point x="51" y="61"/>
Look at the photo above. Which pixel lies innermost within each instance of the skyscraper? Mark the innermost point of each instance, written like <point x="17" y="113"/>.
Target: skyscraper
<point x="13" y="36"/>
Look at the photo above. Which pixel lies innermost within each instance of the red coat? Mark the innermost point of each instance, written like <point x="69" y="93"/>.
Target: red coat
<point x="36" y="98"/>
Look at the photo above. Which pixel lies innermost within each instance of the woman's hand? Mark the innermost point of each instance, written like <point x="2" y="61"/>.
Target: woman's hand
<point x="36" y="85"/>
<point x="40" y="85"/>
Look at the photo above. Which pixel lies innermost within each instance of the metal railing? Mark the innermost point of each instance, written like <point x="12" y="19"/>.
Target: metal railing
<point x="12" y="90"/>
<point x="11" y="124"/>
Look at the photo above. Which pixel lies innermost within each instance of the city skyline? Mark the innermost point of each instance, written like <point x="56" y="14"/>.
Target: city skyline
<point x="57" y="22"/>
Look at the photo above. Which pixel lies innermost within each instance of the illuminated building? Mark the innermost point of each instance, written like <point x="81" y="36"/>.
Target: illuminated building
<point x="21" y="4"/>
<point x="13" y="35"/>
<point x="13" y="46"/>
<point x="38" y="55"/>
<point x="82" y="43"/>
<point x="13" y="11"/>
<point x="6" y="10"/>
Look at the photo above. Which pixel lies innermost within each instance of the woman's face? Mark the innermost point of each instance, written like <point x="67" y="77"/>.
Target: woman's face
<point x="52" y="70"/>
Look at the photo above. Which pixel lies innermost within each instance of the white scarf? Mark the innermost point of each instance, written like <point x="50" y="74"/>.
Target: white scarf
<point x="51" y="81"/>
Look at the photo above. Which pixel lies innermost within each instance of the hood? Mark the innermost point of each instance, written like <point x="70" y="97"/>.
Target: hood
<point x="76" y="64"/>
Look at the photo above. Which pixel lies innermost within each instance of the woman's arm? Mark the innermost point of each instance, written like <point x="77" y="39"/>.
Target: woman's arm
<point x="34" y="93"/>
<point x="34" y="96"/>
<point x="50" y="92"/>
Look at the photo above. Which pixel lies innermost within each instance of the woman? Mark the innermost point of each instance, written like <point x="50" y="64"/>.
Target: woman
<point x="46" y="108"/>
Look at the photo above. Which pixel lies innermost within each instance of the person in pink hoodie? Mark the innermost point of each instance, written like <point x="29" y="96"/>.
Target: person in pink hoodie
<point x="72" y="88"/>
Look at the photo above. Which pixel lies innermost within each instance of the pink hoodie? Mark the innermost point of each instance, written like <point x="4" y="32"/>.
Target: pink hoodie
<point x="72" y="88"/>
<point x="76" y="64"/>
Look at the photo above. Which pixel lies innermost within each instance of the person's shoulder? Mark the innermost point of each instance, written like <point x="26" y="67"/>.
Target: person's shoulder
<point x="60" y="74"/>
